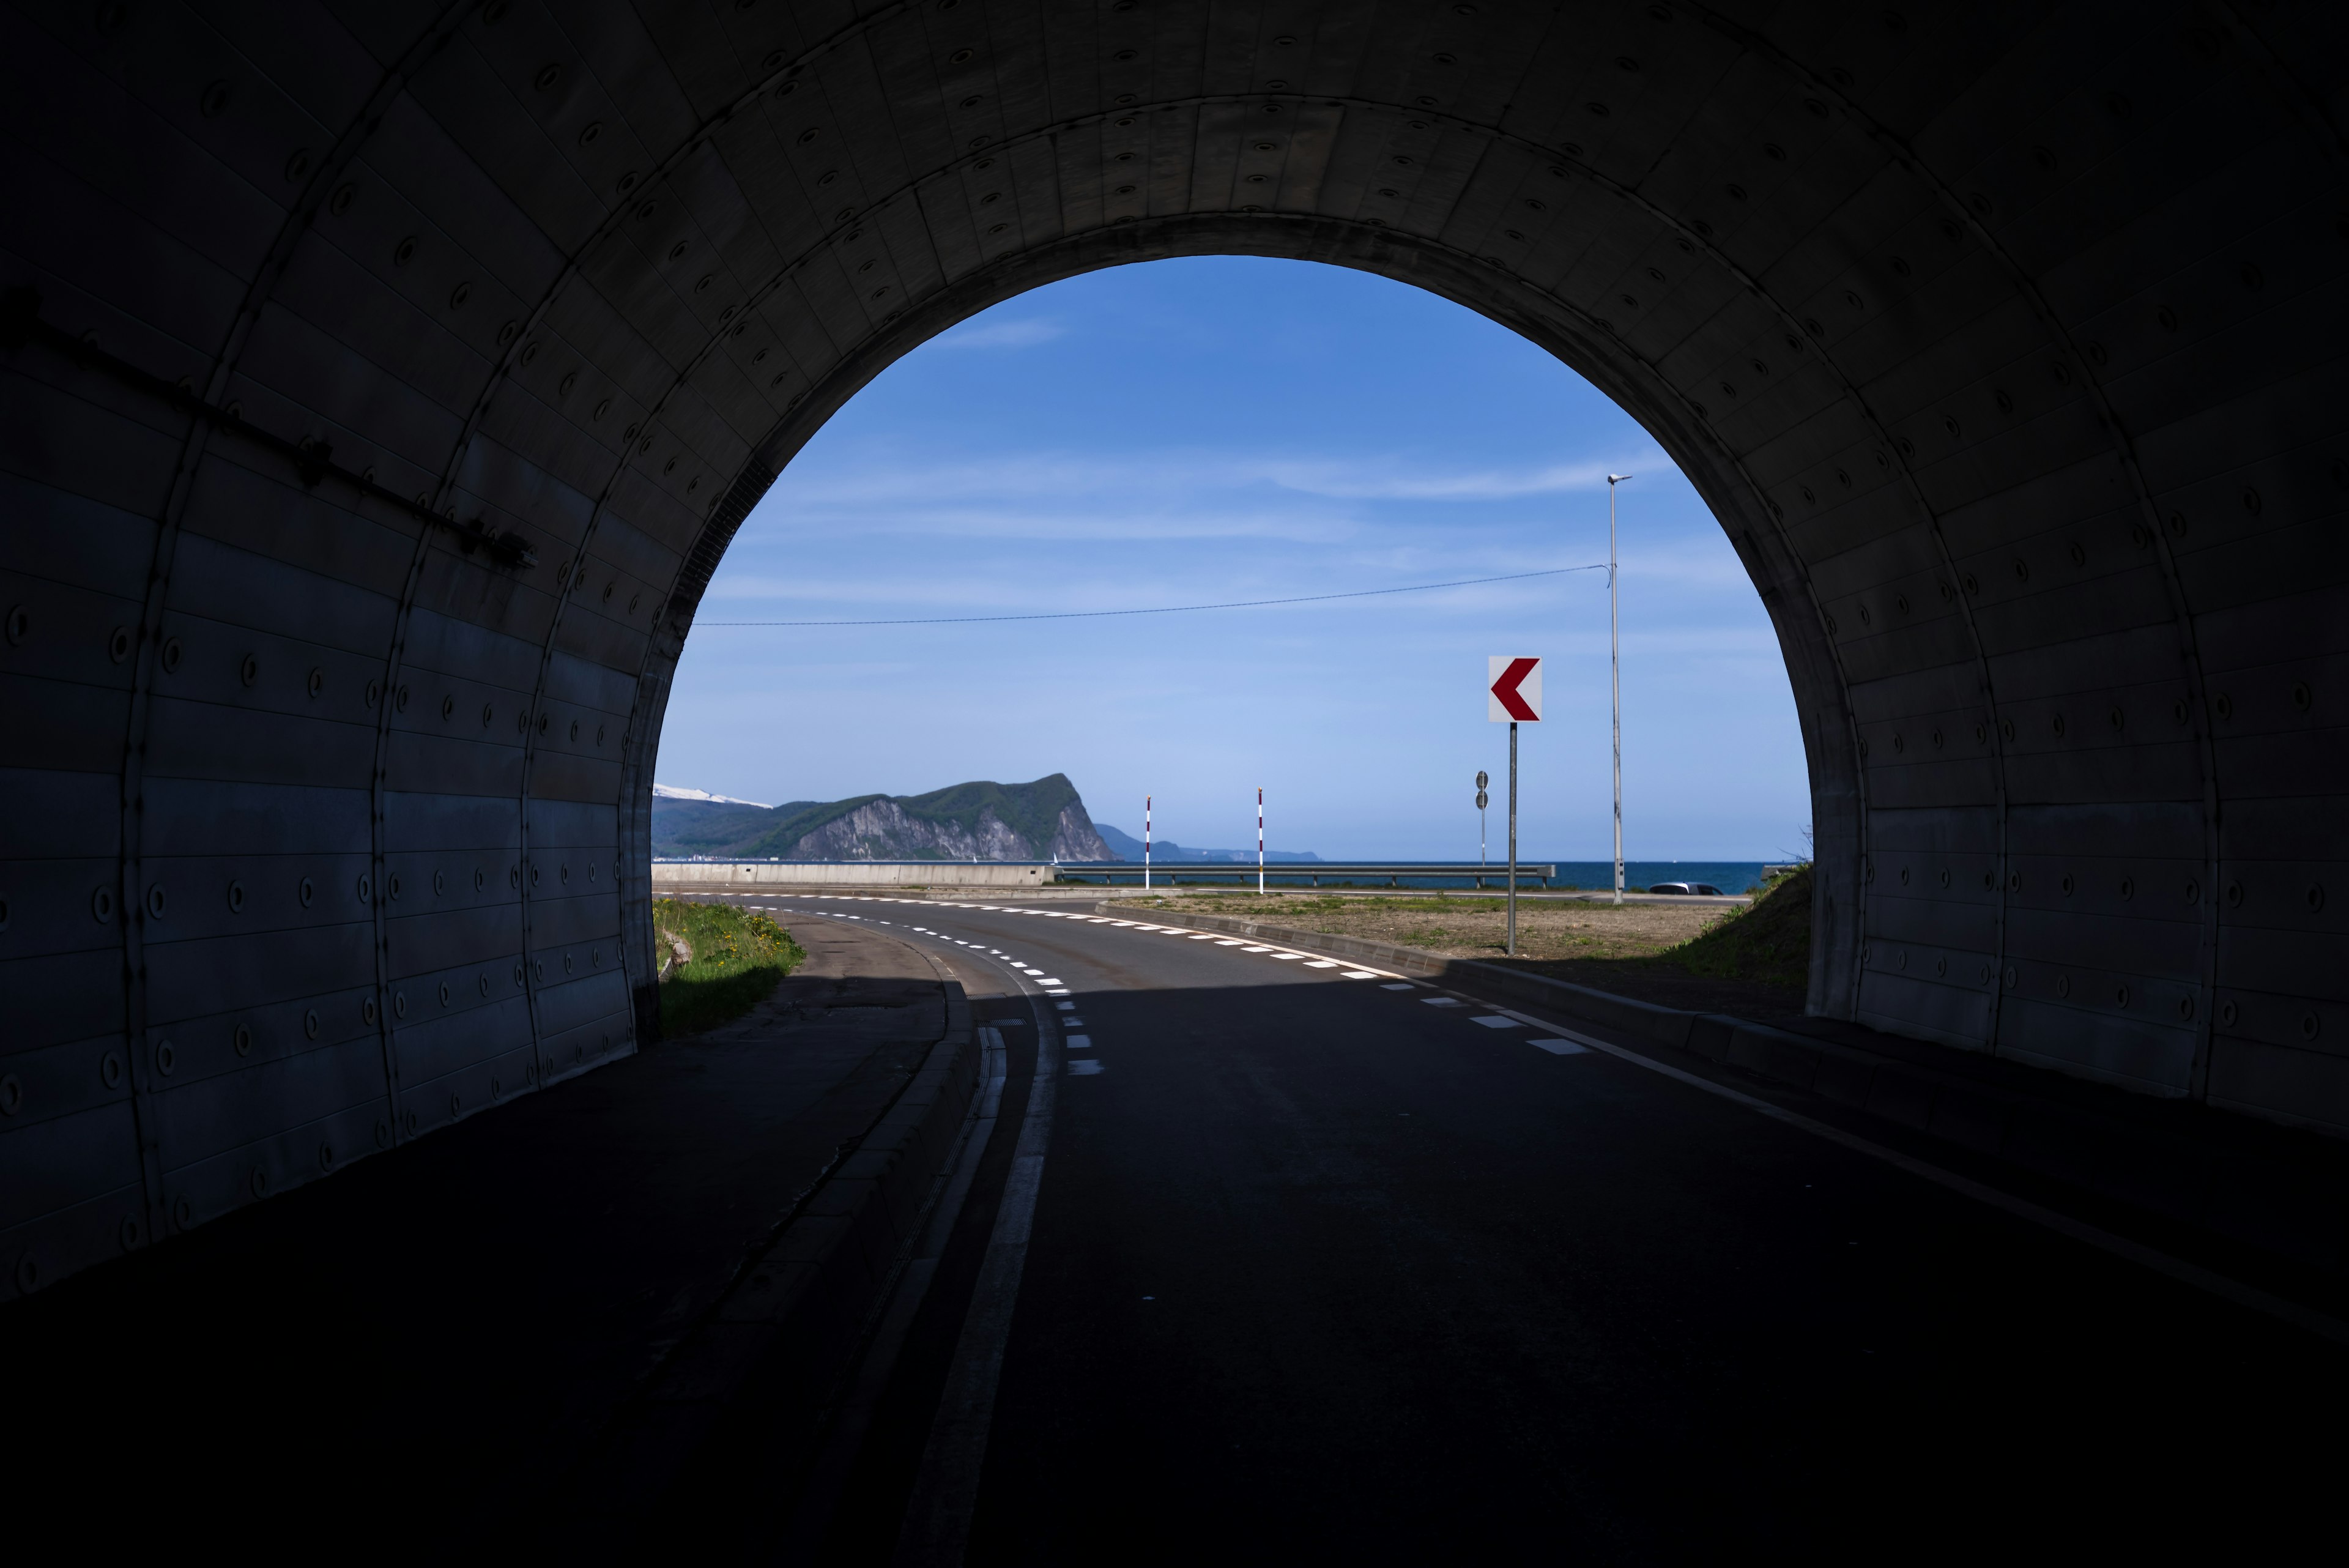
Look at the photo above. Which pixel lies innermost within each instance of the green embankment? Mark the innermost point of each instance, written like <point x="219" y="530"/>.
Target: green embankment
<point x="739" y="956"/>
<point x="1768" y="941"/>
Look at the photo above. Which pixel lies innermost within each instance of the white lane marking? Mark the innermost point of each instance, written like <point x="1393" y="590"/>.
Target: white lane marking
<point x="945" y="1488"/>
<point x="1560" y="1047"/>
<point x="1203" y="937"/>
<point x="1321" y="963"/>
<point x="1056" y="993"/>
<point x="2322" y="1324"/>
<point x="1441" y="1000"/>
<point x="1359" y="974"/>
<point x="913" y="1287"/>
<point x="1496" y="1020"/>
<point x="1084" y="1068"/>
<point x="1140" y="926"/>
<point x="1052" y="982"/>
<point x="1228" y="942"/>
<point x="1078" y="1042"/>
<point x="1122" y="923"/>
<point x="1065" y="1007"/>
<point x="1284" y="958"/>
<point x="1259" y="949"/>
<point x="1072" y="1022"/>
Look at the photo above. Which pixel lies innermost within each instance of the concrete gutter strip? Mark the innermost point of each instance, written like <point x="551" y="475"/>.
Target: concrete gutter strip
<point x="2266" y="1202"/>
<point x="788" y="1326"/>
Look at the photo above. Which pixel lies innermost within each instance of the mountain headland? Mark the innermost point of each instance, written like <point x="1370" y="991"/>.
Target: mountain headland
<point x="1045" y="820"/>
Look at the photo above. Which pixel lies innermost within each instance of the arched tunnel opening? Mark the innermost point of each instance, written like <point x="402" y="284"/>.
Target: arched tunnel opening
<point x="384" y="388"/>
<point x="1189" y="529"/>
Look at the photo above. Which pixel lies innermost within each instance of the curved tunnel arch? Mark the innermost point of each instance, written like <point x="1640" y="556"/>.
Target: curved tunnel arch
<point x="439" y="358"/>
<point x="1577" y="339"/>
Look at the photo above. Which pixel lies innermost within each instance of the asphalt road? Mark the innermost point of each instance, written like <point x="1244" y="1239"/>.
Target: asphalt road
<point x="1329" y="1265"/>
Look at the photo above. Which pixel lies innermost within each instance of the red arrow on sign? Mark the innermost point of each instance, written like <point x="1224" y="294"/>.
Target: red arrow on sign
<point x="1505" y="692"/>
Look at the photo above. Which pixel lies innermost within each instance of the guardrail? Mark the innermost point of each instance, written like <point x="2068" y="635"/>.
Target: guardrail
<point x="1390" y="873"/>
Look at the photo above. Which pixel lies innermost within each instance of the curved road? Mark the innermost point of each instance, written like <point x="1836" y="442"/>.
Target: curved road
<point x="1328" y="1264"/>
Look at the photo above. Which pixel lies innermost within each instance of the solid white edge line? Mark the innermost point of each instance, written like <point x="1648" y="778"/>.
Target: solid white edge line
<point x="821" y="1499"/>
<point x="946" y="1489"/>
<point x="2320" y="1324"/>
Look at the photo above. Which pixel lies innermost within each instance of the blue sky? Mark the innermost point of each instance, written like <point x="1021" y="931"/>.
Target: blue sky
<point x="1232" y="428"/>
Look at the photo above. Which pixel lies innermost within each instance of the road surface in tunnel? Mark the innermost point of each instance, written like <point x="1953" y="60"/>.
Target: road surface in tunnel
<point x="1325" y="1263"/>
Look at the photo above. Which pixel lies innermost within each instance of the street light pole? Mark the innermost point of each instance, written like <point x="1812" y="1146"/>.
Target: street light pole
<point x="1615" y="674"/>
<point x="1145" y="843"/>
<point x="1259" y="841"/>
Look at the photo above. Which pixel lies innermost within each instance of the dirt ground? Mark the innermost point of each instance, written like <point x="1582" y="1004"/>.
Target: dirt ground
<point x="1596" y="945"/>
<point x="1468" y="927"/>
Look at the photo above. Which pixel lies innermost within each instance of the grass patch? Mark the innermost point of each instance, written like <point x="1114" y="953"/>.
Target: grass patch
<point x="739" y="957"/>
<point x="1768" y="941"/>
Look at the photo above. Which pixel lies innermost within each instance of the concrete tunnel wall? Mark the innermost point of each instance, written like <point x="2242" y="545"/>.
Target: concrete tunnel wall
<point x="384" y="382"/>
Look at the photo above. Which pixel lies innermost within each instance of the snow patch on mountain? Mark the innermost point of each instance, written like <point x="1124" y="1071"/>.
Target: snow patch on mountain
<point x="672" y="792"/>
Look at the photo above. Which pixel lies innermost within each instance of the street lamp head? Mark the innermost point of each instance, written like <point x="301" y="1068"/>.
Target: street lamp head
<point x="1618" y="478"/>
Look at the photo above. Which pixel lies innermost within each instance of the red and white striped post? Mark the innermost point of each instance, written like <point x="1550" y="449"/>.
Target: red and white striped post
<point x="1259" y="840"/>
<point x="1145" y="843"/>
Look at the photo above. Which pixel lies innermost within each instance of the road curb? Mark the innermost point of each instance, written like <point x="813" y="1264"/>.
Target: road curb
<point x="766" y="1357"/>
<point x="2276" y="1199"/>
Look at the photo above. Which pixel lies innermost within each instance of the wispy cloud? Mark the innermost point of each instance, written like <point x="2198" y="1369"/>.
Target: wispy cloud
<point x="1020" y="334"/>
<point x="1394" y="481"/>
<point x="878" y="479"/>
<point x="1084" y="523"/>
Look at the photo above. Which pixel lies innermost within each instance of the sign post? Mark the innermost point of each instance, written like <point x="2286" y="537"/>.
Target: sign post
<point x="1259" y="841"/>
<point x="1146" y="844"/>
<point x="1482" y="799"/>
<point x="1513" y="692"/>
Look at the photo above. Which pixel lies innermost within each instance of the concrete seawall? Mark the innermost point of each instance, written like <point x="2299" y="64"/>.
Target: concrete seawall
<point x="698" y="876"/>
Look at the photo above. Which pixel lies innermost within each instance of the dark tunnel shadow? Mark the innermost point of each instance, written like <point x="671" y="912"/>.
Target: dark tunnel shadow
<point x="1521" y="1337"/>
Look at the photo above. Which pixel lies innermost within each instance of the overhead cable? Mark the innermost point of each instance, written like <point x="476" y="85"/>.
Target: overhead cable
<point x="1171" y="609"/>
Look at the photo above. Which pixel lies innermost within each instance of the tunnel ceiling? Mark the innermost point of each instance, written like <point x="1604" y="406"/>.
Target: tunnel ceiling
<point x="384" y="384"/>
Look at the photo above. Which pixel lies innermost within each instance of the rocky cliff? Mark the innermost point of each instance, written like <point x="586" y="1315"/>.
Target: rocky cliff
<point x="1045" y="820"/>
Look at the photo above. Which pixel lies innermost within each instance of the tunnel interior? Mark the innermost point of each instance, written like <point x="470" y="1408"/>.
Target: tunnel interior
<point x="385" y="384"/>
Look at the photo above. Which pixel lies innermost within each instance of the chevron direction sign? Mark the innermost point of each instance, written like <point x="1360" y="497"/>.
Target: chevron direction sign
<point x="1514" y="690"/>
